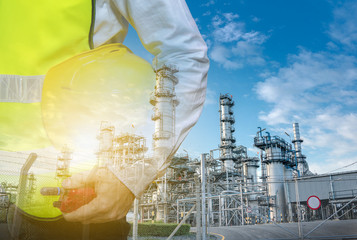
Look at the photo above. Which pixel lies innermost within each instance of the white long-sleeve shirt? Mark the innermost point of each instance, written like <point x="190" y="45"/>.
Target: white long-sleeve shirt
<point x="168" y="31"/>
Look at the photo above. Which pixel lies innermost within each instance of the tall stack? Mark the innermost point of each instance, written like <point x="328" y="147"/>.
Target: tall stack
<point x="164" y="102"/>
<point x="226" y="124"/>
<point x="302" y="165"/>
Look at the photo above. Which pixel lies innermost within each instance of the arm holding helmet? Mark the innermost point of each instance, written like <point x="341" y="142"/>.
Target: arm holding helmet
<point x="168" y="31"/>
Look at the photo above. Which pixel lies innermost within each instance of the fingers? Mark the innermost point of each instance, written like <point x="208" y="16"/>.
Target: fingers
<point x="88" y="211"/>
<point x="80" y="180"/>
<point x="108" y="196"/>
<point x="113" y="201"/>
<point x="108" y="193"/>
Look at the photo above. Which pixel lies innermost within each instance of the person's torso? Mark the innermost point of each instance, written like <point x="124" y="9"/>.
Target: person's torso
<point x="35" y="35"/>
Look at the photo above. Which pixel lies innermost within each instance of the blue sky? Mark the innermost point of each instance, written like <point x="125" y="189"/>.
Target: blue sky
<point x="283" y="62"/>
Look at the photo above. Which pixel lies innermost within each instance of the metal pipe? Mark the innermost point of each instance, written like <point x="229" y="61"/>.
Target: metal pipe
<point x="298" y="209"/>
<point x="241" y="202"/>
<point x="165" y="199"/>
<point x="135" y="221"/>
<point x="177" y="215"/>
<point x="290" y="219"/>
<point x="331" y="186"/>
<point x="198" y="209"/>
<point x="15" y="228"/>
<point x="203" y="194"/>
<point x="220" y="210"/>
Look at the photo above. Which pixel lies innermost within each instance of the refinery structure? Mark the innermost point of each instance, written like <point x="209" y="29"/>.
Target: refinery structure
<point x="225" y="184"/>
<point x="239" y="189"/>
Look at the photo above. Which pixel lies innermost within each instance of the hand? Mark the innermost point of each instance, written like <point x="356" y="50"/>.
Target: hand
<point x="113" y="199"/>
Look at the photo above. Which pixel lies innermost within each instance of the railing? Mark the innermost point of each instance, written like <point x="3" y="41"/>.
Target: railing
<point x="161" y="135"/>
<point x="162" y="92"/>
<point x="155" y="116"/>
<point x="278" y="157"/>
<point x="232" y="139"/>
<point x="229" y="118"/>
<point x="343" y="194"/>
<point x="260" y="141"/>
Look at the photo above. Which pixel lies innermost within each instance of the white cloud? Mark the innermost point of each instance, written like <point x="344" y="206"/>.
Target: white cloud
<point x="319" y="90"/>
<point x="232" y="46"/>
<point x="255" y="19"/>
<point x="230" y="16"/>
<point x="332" y="46"/>
<point x="221" y="55"/>
<point x="207" y="13"/>
<point x="311" y="80"/>
<point x="229" y="32"/>
<point x="335" y="165"/>
<point x="208" y="3"/>
<point x="249" y="44"/>
<point x="344" y="28"/>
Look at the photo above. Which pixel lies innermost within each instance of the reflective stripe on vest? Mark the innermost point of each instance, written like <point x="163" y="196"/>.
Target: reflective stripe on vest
<point x="20" y="89"/>
<point x="35" y="36"/>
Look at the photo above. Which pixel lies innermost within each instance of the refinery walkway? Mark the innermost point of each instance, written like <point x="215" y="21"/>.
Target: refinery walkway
<point x="335" y="229"/>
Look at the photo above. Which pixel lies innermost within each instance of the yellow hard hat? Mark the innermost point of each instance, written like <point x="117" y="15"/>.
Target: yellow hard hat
<point x="109" y="83"/>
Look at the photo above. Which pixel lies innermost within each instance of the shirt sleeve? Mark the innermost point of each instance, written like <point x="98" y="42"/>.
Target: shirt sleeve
<point x="168" y="31"/>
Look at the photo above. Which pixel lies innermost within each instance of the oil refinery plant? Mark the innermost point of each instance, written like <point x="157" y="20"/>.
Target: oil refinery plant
<point x="237" y="189"/>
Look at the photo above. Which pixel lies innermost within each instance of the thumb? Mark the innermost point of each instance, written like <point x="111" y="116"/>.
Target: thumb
<point x="80" y="180"/>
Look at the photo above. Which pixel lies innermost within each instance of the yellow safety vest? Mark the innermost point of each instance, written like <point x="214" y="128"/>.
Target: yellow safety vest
<point x="34" y="36"/>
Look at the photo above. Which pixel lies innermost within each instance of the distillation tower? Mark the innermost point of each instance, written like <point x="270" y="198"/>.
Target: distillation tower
<point x="226" y="125"/>
<point x="279" y="162"/>
<point x="164" y="102"/>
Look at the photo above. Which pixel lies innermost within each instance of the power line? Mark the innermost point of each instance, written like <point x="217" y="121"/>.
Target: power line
<point x="351" y="164"/>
